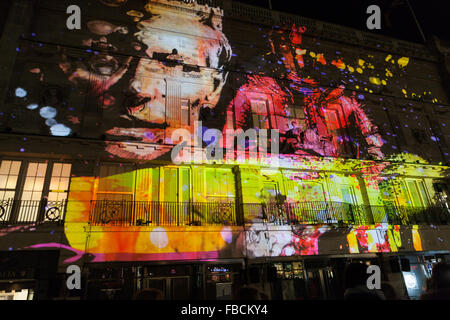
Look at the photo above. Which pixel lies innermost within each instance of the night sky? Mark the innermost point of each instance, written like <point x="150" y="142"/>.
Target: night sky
<point x="397" y="21"/>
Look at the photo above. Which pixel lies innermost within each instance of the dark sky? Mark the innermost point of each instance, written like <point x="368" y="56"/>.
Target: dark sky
<point x="433" y="15"/>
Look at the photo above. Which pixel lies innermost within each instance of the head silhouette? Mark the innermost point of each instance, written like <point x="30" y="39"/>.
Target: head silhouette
<point x="441" y="277"/>
<point x="355" y="275"/>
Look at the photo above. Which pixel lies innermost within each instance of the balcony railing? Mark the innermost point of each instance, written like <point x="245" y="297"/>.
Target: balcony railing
<point x="343" y="213"/>
<point x="140" y="213"/>
<point x="299" y="213"/>
<point x="157" y="213"/>
<point x="31" y="211"/>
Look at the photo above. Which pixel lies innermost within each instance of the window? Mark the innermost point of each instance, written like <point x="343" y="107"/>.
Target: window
<point x="116" y="182"/>
<point x="293" y="117"/>
<point x="176" y="184"/>
<point x="147" y="184"/>
<point x="34" y="181"/>
<point x="173" y="103"/>
<point x="59" y="182"/>
<point x="311" y="191"/>
<point x="334" y="130"/>
<point x="32" y="192"/>
<point x="9" y="174"/>
<point x="269" y="192"/>
<point x="259" y="114"/>
<point x="288" y="270"/>
<point x="295" y="112"/>
<point x="185" y="113"/>
<point x="170" y="184"/>
<point x="219" y="185"/>
<point x="348" y="194"/>
<point x="417" y="194"/>
<point x="124" y="182"/>
<point x="21" y="294"/>
<point x="40" y="186"/>
<point x="304" y="187"/>
<point x="412" y="193"/>
<point x="142" y="196"/>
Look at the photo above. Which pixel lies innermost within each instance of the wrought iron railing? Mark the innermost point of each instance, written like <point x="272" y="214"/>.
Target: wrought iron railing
<point x="140" y="213"/>
<point x="343" y="213"/>
<point x="31" y="211"/>
<point x="299" y="213"/>
<point x="434" y="215"/>
<point x="155" y="213"/>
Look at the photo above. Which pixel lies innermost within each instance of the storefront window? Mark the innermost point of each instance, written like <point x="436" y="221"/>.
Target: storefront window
<point x="219" y="282"/>
<point x="289" y="270"/>
<point x="24" y="294"/>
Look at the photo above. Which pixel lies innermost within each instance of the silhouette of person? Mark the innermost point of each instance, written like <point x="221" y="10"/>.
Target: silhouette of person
<point x="149" y="294"/>
<point x="439" y="284"/>
<point x="355" y="283"/>
<point x="388" y="291"/>
<point x="249" y="293"/>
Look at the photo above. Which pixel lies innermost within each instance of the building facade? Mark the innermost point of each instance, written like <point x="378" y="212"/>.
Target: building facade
<point x="198" y="146"/>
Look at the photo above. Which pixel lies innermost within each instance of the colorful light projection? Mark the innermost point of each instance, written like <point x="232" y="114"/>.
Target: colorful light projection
<point x="138" y="243"/>
<point x="277" y="241"/>
<point x="163" y="242"/>
<point x="256" y="239"/>
<point x="160" y="79"/>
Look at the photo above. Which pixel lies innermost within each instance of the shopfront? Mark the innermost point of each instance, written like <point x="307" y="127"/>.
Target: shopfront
<point x="222" y="280"/>
<point x="28" y="275"/>
<point x="122" y="281"/>
<point x="194" y="281"/>
<point x="290" y="281"/>
<point x="17" y="284"/>
<point x="306" y="278"/>
<point x="417" y="271"/>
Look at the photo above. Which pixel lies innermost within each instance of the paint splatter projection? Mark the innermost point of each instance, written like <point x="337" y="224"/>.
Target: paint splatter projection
<point x="135" y="79"/>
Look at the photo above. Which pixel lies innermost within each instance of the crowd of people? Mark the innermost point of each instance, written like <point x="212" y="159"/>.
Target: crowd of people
<point x="355" y="284"/>
<point x="438" y="286"/>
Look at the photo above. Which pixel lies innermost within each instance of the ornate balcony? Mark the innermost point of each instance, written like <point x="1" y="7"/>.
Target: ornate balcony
<point x="32" y="211"/>
<point x="141" y="213"/>
<point x="343" y="214"/>
<point x="160" y="213"/>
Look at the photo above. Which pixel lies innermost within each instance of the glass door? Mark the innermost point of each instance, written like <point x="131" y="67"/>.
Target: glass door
<point x="172" y="288"/>
<point x="321" y="283"/>
<point x="9" y="175"/>
<point x="33" y="191"/>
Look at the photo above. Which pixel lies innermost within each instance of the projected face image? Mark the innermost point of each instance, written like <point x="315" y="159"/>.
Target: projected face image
<point x="145" y="92"/>
<point x="139" y="70"/>
<point x="102" y="70"/>
<point x="312" y="119"/>
<point x="155" y="67"/>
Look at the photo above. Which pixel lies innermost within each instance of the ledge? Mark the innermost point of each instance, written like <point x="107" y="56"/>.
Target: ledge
<point x="327" y="30"/>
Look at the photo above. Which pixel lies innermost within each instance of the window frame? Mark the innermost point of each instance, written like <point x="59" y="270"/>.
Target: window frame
<point x="17" y="203"/>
